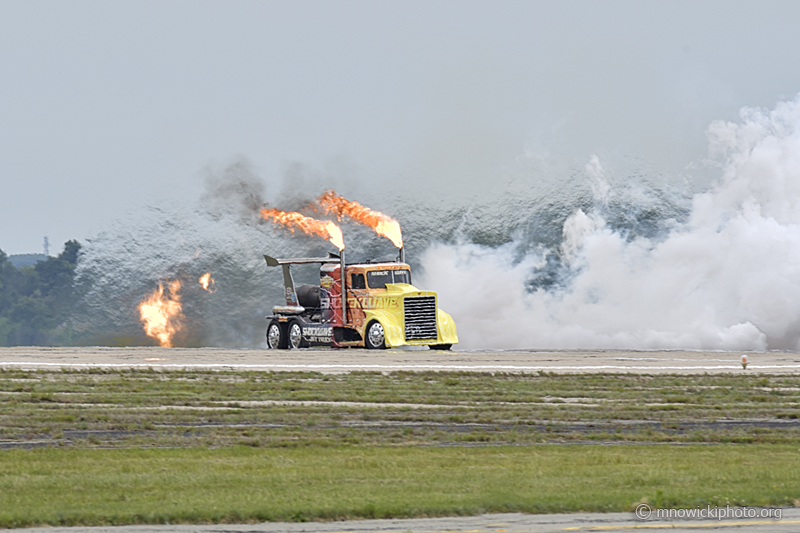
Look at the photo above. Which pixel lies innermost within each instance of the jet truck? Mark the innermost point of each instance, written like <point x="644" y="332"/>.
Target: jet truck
<point x="372" y="305"/>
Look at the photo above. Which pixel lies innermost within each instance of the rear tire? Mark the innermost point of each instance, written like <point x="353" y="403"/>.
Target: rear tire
<point x="440" y="346"/>
<point x="374" y="336"/>
<point x="295" y="335"/>
<point x="276" y="336"/>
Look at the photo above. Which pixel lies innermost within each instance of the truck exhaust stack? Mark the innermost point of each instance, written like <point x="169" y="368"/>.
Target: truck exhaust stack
<point x="343" y="276"/>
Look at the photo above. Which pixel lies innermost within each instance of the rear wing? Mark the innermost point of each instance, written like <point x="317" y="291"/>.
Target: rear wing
<point x="332" y="258"/>
<point x="288" y="282"/>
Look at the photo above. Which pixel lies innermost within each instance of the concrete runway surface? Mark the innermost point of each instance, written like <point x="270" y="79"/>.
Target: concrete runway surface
<point x="491" y="523"/>
<point x="339" y="361"/>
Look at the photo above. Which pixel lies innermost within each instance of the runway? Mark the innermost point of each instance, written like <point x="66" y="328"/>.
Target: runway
<point x="490" y="523"/>
<point x="411" y="360"/>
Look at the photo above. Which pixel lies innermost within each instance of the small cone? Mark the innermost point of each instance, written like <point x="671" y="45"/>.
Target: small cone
<point x="744" y="362"/>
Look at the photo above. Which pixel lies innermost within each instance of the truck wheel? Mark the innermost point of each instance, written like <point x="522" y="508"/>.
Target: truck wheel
<point x="276" y="336"/>
<point x="440" y="346"/>
<point x="295" y="338"/>
<point x="375" y="339"/>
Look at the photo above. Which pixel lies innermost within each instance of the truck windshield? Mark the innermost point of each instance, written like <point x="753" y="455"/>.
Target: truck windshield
<point x="377" y="279"/>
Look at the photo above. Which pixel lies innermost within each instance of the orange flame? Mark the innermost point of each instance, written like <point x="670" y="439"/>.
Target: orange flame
<point x="162" y="314"/>
<point x="383" y="225"/>
<point x="206" y="280"/>
<point x="307" y="225"/>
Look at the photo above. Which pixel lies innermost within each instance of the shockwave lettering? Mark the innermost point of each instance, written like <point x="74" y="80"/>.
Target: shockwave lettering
<point x="318" y="334"/>
<point x="366" y="302"/>
<point x="317" y="330"/>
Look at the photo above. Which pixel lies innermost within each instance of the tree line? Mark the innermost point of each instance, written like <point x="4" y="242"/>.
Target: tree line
<point x="36" y="301"/>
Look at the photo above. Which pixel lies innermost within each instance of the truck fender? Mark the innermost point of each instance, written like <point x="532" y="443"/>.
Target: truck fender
<point x="392" y="328"/>
<point x="447" y="328"/>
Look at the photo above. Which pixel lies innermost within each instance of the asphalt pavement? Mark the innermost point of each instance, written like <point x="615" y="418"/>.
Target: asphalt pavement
<point x="491" y="523"/>
<point x="348" y="360"/>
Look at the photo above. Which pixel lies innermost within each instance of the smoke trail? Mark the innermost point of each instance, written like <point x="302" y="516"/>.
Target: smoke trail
<point x="726" y="277"/>
<point x="224" y="234"/>
<point x="236" y="189"/>
<point x="609" y="255"/>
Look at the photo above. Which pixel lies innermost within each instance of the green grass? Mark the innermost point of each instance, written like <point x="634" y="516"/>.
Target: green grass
<point x="196" y="408"/>
<point x="145" y="446"/>
<point x="240" y="484"/>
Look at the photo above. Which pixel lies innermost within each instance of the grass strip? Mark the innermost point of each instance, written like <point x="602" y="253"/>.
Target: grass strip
<point x="239" y="484"/>
<point x="134" y="408"/>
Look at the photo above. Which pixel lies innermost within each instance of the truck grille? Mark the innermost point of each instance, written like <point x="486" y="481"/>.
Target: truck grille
<point x="420" y="317"/>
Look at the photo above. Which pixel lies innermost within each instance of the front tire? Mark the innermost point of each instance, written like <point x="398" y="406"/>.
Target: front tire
<point x="276" y="336"/>
<point x="375" y="337"/>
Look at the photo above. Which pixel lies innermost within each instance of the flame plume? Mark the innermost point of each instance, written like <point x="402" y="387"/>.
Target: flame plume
<point x="207" y="281"/>
<point x="162" y="314"/>
<point x="307" y="225"/>
<point x="383" y="225"/>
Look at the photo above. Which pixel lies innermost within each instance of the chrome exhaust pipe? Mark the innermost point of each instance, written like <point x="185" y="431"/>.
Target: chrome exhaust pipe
<point x="343" y="276"/>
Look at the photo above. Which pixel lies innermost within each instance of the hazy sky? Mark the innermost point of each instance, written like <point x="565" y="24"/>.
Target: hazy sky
<point x="106" y="107"/>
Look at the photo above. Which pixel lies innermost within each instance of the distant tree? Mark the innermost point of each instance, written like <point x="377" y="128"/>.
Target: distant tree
<point x="7" y="279"/>
<point x="35" y="301"/>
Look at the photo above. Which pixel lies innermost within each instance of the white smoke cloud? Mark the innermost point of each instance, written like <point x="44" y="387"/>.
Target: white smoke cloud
<point x="727" y="279"/>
